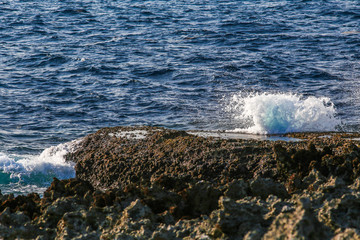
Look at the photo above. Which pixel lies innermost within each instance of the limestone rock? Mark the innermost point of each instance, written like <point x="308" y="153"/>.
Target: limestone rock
<point x="201" y="198"/>
<point x="300" y="224"/>
<point x="136" y="211"/>
<point x="237" y="189"/>
<point x="348" y="234"/>
<point x="237" y="218"/>
<point x="342" y="212"/>
<point x="263" y="187"/>
<point x="156" y="183"/>
<point x="313" y="180"/>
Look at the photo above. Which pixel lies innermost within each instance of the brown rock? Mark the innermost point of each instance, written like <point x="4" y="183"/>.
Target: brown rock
<point x="237" y="189"/>
<point x="201" y="198"/>
<point x="236" y="219"/>
<point x="263" y="187"/>
<point x="300" y="224"/>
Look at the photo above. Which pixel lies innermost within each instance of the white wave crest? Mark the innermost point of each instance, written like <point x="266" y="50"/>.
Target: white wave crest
<point x="267" y="113"/>
<point x="38" y="170"/>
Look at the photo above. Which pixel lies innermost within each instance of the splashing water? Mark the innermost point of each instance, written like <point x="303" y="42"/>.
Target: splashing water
<point x="24" y="174"/>
<point x="282" y="113"/>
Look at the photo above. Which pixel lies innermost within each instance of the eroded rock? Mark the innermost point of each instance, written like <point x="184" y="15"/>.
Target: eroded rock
<point x="263" y="187"/>
<point x="300" y="224"/>
<point x="155" y="183"/>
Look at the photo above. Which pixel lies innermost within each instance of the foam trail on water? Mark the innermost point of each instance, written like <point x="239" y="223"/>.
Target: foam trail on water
<point x="34" y="173"/>
<point x="265" y="113"/>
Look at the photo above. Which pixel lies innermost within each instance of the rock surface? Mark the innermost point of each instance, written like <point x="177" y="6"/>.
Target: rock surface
<point x="155" y="183"/>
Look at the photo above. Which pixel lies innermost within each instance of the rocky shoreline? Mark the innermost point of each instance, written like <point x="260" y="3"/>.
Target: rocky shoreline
<point x="156" y="183"/>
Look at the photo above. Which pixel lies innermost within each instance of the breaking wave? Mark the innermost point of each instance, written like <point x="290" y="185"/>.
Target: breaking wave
<point x="24" y="174"/>
<point x="267" y="113"/>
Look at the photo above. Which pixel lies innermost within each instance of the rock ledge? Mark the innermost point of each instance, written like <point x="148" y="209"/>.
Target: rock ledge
<point x="156" y="183"/>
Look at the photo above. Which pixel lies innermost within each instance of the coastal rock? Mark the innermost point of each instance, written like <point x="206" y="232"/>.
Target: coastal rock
<point x="69" y="187"/>
<point x="348" y="234"/>
<point x="341" y="212"/>
<point x="13" y="219"/>
<point x="164" y="233"/>
<point x="136" y="211"/>
<point x="263" y="187"/>
<point x="136" y="222"/>
<point x="111" y="159"/>
<point x="160" y="200"/>
<point x="26" y="204"/>
<point x="201" y="198"/>
<point x="237" y="189"/>
<point x="313" y="180"/>
<point x="155" y="183"/>
<point x="300" y="224"/>
<point x="237" y="218"/>
<point x="52" y="214"/>
<point x="17" y="225"/>
<point x="356" y="185"/>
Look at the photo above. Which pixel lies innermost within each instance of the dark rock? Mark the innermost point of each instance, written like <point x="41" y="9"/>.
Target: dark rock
<point x="201" y="198"/>
<point x="64" y="188"/>
<point x="300" y="224"/>
<point x="237" y="189"/>
<point x="342" y="213"/>
<point x="155" y="183"/>
<point x="113" y="158"/>
<point x="236" y="219"/>
<point x="263" y="187"/>
<point x="26" y="204"/>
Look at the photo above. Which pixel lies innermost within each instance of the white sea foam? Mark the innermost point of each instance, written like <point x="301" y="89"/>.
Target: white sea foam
<point x="134" y="134"/>
<point x="37" y="170"/>
<point x="268" y="113"/>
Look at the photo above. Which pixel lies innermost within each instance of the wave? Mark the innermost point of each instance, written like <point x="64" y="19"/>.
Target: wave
<point x="24" y="174"/>
<point x="277" y="113"/>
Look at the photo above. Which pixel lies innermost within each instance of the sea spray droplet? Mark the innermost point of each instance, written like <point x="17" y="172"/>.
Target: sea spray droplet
<point x="283" y="112"/>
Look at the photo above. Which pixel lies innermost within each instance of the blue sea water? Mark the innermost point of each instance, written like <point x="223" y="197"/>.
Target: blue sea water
<point x="68" y="68"/>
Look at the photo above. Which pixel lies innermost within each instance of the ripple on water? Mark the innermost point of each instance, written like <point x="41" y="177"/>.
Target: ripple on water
<point x="72" y="67"/>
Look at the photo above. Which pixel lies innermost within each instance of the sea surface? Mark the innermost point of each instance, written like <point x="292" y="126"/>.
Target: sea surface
<point x="68" y="68"/>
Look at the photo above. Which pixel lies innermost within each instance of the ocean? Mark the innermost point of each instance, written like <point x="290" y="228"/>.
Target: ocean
<point x="69" y="68"/>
